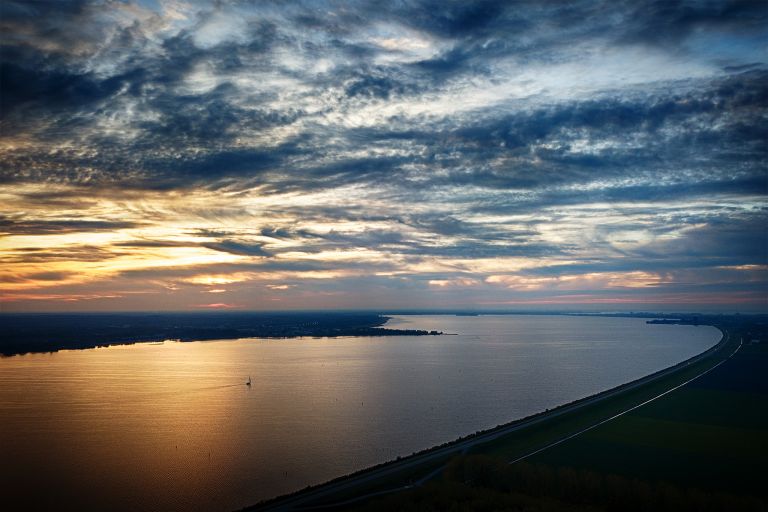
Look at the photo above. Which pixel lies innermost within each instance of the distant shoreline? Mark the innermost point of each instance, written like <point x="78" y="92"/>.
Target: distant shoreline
<point x="28" y="333"/>
<point x="25" y="333"/>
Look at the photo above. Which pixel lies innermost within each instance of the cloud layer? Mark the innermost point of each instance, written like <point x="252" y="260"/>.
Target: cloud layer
<point x="418" y="154"/>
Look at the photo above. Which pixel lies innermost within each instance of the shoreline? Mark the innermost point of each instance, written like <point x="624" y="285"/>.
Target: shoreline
<point x="372" y="333"/>
<point x="26" y="334"/>
<point x="457" y="445"/>
<point x="31" y="333"/>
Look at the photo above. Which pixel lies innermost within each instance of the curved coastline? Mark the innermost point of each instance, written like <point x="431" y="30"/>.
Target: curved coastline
<point x="424" y="457"/>
<point x="493" y="384"/>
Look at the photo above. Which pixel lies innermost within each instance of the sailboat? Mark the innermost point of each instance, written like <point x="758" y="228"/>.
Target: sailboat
<point x="249" y="381"/>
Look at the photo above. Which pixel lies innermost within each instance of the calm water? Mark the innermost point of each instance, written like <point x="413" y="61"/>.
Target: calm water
<point x="172" y="426"/>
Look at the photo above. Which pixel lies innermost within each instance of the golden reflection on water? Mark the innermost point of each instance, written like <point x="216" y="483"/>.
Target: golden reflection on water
<point x="164" y="415"/>
<point x="163" y="423"/>
<point x="174" y="427"/>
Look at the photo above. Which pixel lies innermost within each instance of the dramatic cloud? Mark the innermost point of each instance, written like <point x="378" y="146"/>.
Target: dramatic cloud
<point x="386" y="155"/>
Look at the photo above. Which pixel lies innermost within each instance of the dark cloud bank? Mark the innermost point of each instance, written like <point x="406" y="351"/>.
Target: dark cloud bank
<point x="316" y="96"/>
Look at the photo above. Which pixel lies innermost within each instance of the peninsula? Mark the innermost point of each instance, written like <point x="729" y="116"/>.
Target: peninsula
<point x="49" y="332"/>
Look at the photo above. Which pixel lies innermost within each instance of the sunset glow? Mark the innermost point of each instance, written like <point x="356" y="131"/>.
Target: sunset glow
<point x="302" y="156"/>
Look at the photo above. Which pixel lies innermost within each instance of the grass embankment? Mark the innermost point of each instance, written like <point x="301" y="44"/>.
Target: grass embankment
<point x="525" y="441"/>
<point x="544" y="431"/>
<point x="701" y="447"/>
<point x="711" y="433"/>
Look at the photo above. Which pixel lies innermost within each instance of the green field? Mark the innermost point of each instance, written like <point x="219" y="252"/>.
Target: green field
<point x="711" y="434"/>
<point x="699" y="447"/>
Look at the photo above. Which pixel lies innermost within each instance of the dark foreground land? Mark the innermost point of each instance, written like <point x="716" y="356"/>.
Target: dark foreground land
<point x="694" y="437"/>
<point x="48" y="332"/>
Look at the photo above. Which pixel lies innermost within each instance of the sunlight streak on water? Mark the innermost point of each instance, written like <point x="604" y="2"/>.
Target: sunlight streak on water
<point x="173" y="425"/>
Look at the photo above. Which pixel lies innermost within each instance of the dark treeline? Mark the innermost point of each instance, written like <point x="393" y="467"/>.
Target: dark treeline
<point x="48" y="332"/>
<point x="483" y="483"/>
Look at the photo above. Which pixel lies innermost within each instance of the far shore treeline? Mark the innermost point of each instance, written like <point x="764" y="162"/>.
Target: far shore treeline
<point x="22" y="333"/>
<point x="49" y="332"/>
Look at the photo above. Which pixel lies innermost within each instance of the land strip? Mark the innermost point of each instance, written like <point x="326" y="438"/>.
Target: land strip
<point x="48" y="332"/>
<point x="710" y="434"/>
<point x="699" y="446"/>
<point x="514" y="440"/>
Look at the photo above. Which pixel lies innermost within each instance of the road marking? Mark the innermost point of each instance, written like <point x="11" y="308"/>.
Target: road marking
<point x="571" y="436"/>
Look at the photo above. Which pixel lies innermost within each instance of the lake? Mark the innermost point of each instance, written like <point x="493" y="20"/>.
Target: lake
<point x="172" y="426"/>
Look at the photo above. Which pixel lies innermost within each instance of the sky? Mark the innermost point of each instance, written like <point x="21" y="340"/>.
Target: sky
<point x="185" y="155"/>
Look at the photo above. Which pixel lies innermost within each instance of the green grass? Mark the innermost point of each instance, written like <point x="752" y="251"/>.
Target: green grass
<point x="393" y="481"/>
<point x="714" y="407"/>
<point x="710" y="434"/>
<point x="676" y="440"/>
<point x="524" y="441"/>
<point x="701" y="447"/>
